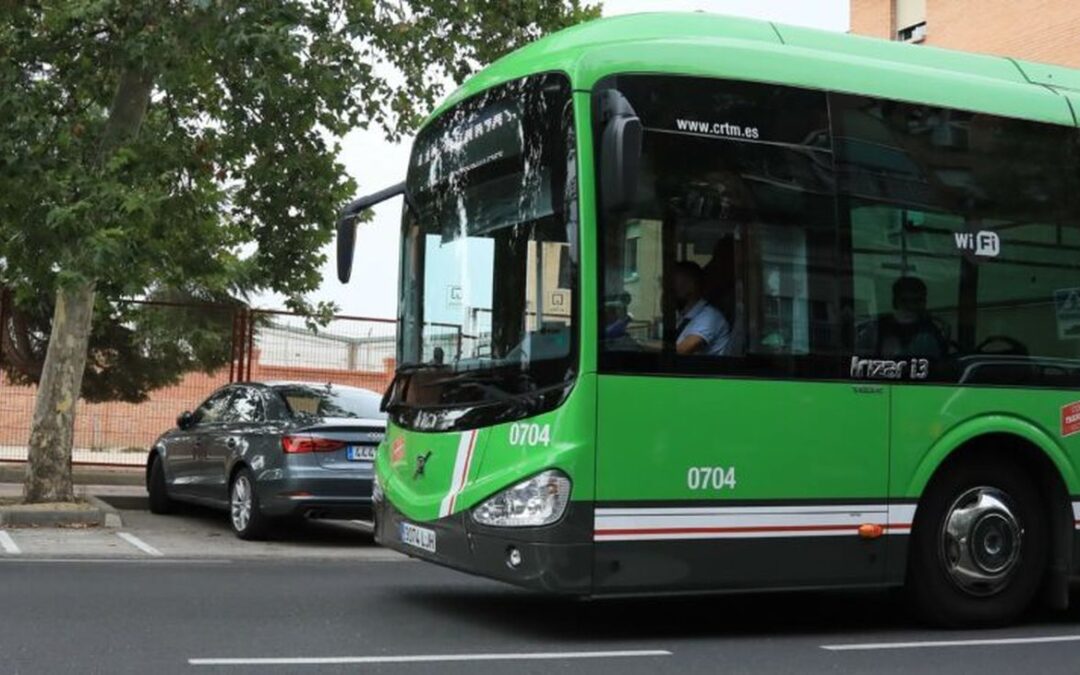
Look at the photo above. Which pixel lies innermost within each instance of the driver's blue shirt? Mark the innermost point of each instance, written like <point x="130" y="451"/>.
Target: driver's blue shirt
<point x="708" y="323"/>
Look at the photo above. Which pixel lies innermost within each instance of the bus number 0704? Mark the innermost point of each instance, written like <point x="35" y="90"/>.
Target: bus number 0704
<point x="710" y="478"/>
<point x="524" y="433"/>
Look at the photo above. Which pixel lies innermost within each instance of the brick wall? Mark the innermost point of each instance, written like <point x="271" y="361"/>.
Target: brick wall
<point x="1035" y="30"/>
<point x="121" y="433"/>
<point x="873" y="18"/>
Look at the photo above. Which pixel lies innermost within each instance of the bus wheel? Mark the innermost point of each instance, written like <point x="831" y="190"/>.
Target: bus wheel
<point x="979" y="548"/>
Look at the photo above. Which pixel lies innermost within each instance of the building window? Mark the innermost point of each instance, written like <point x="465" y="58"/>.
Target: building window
<point x="916" y="33"/>
<point x="910" y="20"/>
<point x="630" y="264"/>
<point x="566" y="268"/>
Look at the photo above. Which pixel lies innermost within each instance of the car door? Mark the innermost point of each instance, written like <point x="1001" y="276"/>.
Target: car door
<point x="210" y="422"/>
<point x="243" y="422"/>
<point x="183" y="450"/>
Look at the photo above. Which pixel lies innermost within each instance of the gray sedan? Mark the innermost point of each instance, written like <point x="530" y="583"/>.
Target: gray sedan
<point x="264" y="451"/>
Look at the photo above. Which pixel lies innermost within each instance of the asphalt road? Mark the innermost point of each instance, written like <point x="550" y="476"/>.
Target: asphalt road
<point x="166" y="615"/>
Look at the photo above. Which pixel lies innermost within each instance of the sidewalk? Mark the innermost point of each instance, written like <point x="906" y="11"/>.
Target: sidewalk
<point x="15" y="472"/>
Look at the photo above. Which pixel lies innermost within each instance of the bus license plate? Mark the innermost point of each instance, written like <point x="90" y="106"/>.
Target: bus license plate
<point x="361" y="453"/>
<point x="418" y="537"/>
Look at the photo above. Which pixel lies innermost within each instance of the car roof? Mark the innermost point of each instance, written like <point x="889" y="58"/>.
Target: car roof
<point x="281" y="384"/>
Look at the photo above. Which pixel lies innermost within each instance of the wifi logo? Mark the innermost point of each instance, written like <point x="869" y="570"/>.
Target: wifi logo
<point x="983" y="243"/>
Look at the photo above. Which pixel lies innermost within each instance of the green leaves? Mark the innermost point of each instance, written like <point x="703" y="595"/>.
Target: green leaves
<point x="220" y="177"/>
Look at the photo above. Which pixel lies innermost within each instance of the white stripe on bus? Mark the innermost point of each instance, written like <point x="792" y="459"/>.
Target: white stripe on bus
<point x="749" y="522"/>
<point x="462" y="461"/>
<point x="878" y="507"/>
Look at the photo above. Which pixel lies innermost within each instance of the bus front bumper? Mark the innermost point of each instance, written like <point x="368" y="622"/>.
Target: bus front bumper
<point x="554" y="559"/>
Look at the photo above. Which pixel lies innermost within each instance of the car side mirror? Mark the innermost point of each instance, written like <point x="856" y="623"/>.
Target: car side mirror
<point x="620" y="153"/>
<point x="185" y="420"/>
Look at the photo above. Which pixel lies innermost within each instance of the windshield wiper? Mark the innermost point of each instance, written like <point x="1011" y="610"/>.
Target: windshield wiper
<point x="487" y="382"/>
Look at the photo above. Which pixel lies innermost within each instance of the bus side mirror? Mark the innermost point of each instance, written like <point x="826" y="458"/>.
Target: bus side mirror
<point x="346" y="227"/>
<point x="346" y="243"/>
<point x="620" y="153"/>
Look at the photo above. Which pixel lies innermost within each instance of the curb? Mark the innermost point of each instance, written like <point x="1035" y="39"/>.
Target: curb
<point x="110" y="516"/>
<point x="101" y="515"/>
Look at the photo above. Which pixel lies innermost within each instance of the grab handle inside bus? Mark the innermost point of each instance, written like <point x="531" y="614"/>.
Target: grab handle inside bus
<point x="346" y="227"/>
<point x="620" y="152"/>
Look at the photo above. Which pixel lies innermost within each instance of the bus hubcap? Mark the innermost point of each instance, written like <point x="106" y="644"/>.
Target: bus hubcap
<point x="241" y="503"/>
<point x="980" y="541"/>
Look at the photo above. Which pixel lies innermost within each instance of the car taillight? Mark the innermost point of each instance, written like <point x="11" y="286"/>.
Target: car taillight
<point x="298" y="444"/>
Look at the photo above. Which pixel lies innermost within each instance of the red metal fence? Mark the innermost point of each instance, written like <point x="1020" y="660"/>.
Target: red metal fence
<point x="263" y="345"/>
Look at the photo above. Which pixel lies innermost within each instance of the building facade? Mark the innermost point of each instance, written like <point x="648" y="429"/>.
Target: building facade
<point x="1034" y="30"/>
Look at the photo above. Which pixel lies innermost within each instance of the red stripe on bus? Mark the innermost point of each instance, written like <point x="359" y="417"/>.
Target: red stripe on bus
<point x="747" y="528"/>
<point x="742" y="529"/>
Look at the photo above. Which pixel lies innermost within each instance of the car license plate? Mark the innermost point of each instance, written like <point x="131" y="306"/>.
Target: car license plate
<point x="361" y="453"/>
<point x="418" y="537"/>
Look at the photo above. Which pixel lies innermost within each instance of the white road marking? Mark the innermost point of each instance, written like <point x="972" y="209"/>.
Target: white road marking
<point x="8" y="544"/>
<point x="139" y="544"/>
<point x="951" y="643"/>
<point x="115" y="561"/>
<point x="425" y="658"/>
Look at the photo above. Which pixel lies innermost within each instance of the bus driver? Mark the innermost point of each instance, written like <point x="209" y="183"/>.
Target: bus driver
<point x="700" y="327"/>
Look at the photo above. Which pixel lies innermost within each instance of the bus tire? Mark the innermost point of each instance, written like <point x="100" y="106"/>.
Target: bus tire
<point x="979" y="547"/>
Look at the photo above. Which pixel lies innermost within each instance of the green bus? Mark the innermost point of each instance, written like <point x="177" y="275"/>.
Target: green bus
<point x="691" y="303"/>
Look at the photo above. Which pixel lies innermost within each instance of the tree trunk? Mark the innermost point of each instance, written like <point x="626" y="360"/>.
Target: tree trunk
<point x="48" y="473"/>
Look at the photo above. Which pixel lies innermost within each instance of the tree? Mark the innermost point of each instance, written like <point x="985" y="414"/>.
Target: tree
<point x="188" y="144"/>
<point x="134" y="347"/>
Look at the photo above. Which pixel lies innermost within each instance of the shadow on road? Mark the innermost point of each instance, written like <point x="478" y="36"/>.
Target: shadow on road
<point x="781" y="614"/>
<point x="313" y="533"/>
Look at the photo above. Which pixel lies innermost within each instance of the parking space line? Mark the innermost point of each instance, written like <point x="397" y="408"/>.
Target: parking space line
<point x="114" y="561"/>
<point x="139" y="544"/>
<point x="426" y="658"/>
<point x="951" y="643"/>
<point x="8" y="544"/>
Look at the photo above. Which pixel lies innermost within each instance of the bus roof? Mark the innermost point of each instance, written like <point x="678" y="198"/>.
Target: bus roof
<point x="710" y="45"/>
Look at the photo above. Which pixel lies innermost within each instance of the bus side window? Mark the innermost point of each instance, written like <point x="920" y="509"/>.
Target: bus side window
<point x="964" y="241"/>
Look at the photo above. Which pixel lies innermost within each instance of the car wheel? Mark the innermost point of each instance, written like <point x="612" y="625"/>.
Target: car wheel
<point x="160" y="502"/>
<point x="980" y="546"/>
<point x="245" y="515"/>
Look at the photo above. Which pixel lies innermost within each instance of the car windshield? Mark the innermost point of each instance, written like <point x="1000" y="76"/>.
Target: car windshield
<point x="330" y="401"/>
<point x="489" y="246"/>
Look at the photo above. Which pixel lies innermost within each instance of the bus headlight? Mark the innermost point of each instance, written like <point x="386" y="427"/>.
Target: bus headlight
<point x="540" y="500"/>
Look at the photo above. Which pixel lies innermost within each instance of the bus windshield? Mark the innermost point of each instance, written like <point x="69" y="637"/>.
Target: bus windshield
<point x="488" y="262"/>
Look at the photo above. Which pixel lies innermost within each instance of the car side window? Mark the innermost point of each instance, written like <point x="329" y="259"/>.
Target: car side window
<point x="246" y="406"/>
<point x="214" y="409"/>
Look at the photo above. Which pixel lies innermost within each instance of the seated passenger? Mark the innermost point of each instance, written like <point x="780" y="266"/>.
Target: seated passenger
<point x="617" y="316"/>
<point x="909" y="330"/>
<point x="700" y="327"/>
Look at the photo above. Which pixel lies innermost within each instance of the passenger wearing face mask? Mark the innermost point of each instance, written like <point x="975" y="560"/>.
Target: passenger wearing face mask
<point x="909" y="330"/>
<point x="700" y="327"/>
